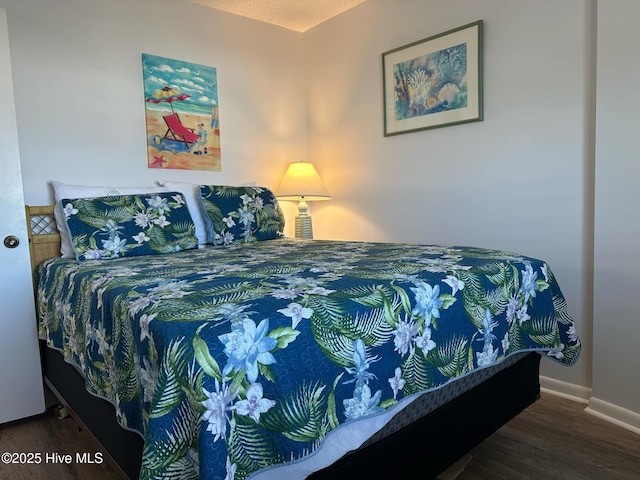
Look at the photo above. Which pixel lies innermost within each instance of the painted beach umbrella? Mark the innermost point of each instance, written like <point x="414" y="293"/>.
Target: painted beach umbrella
<point x="167" y="95"/>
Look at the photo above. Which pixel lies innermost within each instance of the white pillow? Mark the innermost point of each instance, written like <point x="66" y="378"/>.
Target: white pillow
<point x="191" y="192"/>
<point x="63" y="190"/>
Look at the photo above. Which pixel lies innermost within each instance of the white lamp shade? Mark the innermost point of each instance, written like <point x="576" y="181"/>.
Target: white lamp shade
<point x="301" y="181"/>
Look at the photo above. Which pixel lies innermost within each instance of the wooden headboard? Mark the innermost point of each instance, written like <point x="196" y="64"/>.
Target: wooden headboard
<point x="44" y="239"/>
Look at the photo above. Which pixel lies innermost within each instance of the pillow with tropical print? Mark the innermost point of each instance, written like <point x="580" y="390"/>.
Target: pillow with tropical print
<point x="129" y="225"/>
<point x="240" y="214"/>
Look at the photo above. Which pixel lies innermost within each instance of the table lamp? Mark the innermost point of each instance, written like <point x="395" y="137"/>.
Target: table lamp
<point x="302" y="183"/>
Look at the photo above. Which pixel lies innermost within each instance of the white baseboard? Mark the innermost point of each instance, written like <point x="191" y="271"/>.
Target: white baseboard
<point x="570" y="391"/>
<point x="614" y="414"/>
<point x="599" y="408"/>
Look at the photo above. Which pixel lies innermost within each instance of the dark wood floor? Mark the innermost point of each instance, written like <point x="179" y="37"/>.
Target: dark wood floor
<point x="554" y="438"/>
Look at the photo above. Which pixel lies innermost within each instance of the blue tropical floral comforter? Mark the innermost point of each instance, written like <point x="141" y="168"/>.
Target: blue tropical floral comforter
<point x="231" y="359"/>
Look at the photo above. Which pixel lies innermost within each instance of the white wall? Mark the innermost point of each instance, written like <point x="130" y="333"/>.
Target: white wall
<point x="518" y="181"/>
<point x="79" y="95"/>
<point x="617" y="212"/>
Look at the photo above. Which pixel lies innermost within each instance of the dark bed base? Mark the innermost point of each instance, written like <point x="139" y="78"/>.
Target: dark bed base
<point x="421" y="450"/>
<point x="97" y="415"/>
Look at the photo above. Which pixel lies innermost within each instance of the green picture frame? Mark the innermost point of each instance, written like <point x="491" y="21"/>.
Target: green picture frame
<point x="434" y="82"/>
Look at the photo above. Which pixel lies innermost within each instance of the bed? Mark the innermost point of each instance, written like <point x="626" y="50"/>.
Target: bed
<point x="282" y="358"/>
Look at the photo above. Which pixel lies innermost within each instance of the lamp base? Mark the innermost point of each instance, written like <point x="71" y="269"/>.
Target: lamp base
<point x="303" y="227"/>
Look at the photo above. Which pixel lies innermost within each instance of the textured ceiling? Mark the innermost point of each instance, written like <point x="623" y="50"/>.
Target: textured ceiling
<point x="298" y="15"/>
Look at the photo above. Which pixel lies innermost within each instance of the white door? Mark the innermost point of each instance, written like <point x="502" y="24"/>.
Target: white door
<point x="21" y="391"/>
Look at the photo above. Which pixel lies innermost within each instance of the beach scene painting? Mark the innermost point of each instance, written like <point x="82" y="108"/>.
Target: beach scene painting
<point x="182" y="115"/>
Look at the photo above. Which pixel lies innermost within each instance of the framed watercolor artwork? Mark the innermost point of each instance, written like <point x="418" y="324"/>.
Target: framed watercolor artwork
<point x="434" y="82"/>
<point x="182" y="117"/>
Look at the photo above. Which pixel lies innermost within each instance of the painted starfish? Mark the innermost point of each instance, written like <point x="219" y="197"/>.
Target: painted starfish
<point x="158" y="162"/>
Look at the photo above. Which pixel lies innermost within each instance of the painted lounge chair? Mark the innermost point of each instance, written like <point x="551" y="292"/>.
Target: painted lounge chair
<point x="178" y="132"/>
